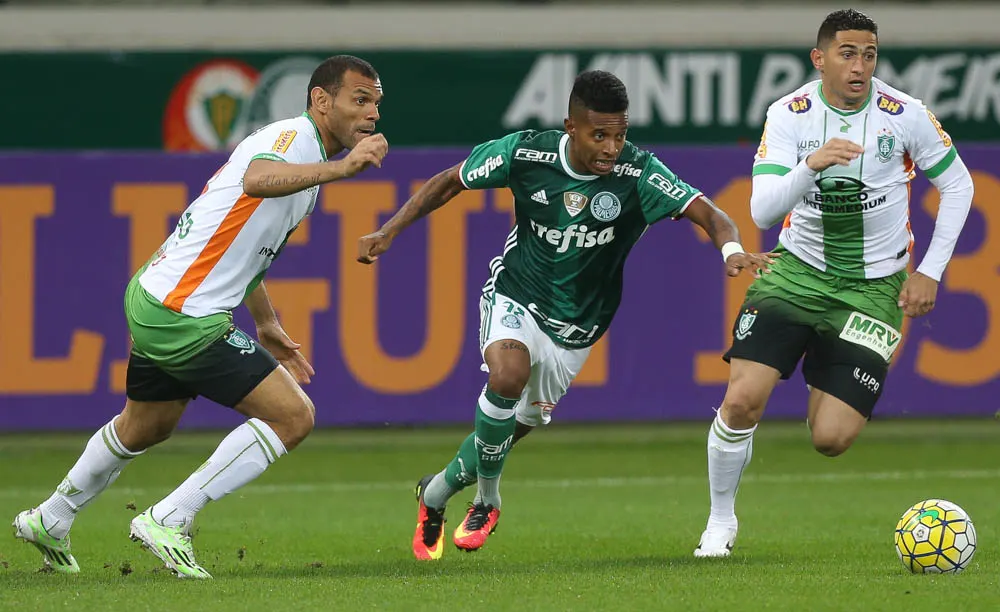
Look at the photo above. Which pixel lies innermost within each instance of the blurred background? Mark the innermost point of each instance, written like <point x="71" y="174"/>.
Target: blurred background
<point x="118" y="111"/>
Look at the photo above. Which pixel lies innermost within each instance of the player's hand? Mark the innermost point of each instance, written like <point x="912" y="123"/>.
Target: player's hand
<point x="286" y="351"/>
<point x="369" y="152"/>
<point x="836" y="152"/>
<point x="918" y="295"/>
<point x="373" y="245"/>
<point x="758" y="263"/>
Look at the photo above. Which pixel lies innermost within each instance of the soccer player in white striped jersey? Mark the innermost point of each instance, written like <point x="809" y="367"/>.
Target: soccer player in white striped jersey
<point x="179" y="312"/>
<point x="834" y="163"/>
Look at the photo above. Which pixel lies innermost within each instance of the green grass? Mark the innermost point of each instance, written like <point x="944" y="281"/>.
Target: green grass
<point x="595" y="518"/>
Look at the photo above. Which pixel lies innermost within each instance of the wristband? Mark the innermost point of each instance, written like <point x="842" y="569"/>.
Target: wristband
<point x="731" y="248"/>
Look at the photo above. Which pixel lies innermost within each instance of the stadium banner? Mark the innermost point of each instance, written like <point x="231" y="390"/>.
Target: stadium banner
<point x="397" y="342"/>
<point x="194" y="101"/>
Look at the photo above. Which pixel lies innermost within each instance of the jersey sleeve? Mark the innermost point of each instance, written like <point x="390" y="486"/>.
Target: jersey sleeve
<point x="488" y="165"/>
<point x="661" y="193"/>
<point x="777" y="153"/>
<point x="930" y="146"/>
<point x="282" y="144"/>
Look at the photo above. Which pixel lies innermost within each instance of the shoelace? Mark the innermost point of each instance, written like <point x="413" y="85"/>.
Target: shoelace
<point x="480" y="514"/>
<point x="432" y="526"/>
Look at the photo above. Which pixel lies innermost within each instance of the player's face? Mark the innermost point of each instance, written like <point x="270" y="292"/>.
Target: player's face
<point x="355" y="108"/>
<point x="847" y="65"/>
<point x="596" y="139"/>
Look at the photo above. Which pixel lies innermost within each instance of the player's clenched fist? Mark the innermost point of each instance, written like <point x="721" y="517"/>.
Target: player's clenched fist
<point x="369" y="152"/>
<point x="836" y="152"/>
<point x="373" y="245"/>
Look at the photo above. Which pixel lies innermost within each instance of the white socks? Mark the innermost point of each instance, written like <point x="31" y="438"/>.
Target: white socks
<point x="241" y="457"/>
<point x="729" y="452"/>
<point x="100" y="464"/>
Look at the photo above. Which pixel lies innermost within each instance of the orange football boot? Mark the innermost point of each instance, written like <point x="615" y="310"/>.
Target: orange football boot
<point x="480" y="521"/>
<point x="428" y="540"/>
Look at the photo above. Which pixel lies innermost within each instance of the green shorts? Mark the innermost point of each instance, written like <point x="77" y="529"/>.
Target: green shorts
<point x="845" y="330"/>
<point x="175" y="356"/>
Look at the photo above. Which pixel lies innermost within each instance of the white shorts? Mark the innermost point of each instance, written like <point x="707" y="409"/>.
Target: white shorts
<point x="553" y="367"/>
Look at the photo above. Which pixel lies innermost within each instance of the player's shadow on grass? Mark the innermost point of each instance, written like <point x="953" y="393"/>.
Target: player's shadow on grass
<point x="480" y="565"/>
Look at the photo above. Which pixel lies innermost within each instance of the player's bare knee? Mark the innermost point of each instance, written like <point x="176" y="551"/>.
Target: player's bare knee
<point x="509" y="380"/>
<point x="830" y="443"/>
<point x="296" y="422"/>
<point x="741" y="410"/>
<point x="143" y="425"/>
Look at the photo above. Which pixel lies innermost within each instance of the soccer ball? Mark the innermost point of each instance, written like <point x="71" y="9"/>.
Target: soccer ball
<point x="935" y="537"/>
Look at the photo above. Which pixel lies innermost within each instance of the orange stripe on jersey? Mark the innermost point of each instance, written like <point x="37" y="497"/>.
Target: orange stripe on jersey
<point x="787" y="222"/>
<point x="909" y="188"/>
<point x="908" y="166"/>
<point x="217" y="245"/>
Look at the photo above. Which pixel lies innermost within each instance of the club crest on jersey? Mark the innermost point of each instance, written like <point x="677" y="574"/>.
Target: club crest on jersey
<point x="745" y="323"/>
<point x="800" y="104"/>
<point x="574" y="202"/>
<point x="605" y="206"/>
<point x="886" y="144"/>
<point x="888" y="104"/>
<point x="511" y="321"/>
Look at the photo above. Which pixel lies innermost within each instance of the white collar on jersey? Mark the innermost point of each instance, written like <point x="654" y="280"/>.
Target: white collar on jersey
<point x="564" y="159"/>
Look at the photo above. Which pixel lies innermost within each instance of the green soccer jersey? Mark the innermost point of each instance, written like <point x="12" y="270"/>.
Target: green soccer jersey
<point x="563" y="259"/>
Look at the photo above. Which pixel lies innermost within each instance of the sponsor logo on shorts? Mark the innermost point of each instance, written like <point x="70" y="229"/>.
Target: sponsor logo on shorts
<point x="745" y="323"/>
<point x="867" y="380"/>
<point x="545" y="407"/>
<point x="511" y="321"/>
<point x="872" y="334"/>
<point x="241" y="341"/>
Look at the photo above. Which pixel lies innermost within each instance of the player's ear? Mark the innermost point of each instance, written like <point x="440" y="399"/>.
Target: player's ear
<point x="320" y="98"/>
<point x="817" y="59"/>
<point x="568" y="125"/>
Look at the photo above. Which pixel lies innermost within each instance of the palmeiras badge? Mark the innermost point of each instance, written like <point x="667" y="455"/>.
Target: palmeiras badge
<point x="745" y="323"/>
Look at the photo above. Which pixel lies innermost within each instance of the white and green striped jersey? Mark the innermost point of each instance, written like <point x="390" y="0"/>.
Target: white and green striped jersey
<point x="855" y="221"/>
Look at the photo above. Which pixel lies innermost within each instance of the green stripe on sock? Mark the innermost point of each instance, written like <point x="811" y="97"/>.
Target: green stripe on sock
<point x="249" y="446"/>
<point x="110" y="443"/>
<point x="265" y="443"/>
<point x="729" y="437"/>
<point x="500" y="402"/>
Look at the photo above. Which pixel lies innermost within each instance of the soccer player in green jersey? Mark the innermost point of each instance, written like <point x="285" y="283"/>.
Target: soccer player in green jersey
<point x="582" y="198"/>
<point x="834" y="163"/>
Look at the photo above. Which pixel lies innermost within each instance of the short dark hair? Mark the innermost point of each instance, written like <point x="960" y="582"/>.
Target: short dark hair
<point x="330" y="74"/>
<point x="599" y="91"/>
<point x="841" y="21"/>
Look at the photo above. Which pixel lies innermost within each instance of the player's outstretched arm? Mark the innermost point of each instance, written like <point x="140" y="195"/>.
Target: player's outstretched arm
<point x="272" y="337"/>
<point x="726" y="237"/>
<point x="267" y="178"/>
<point x="432" y="195"/>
